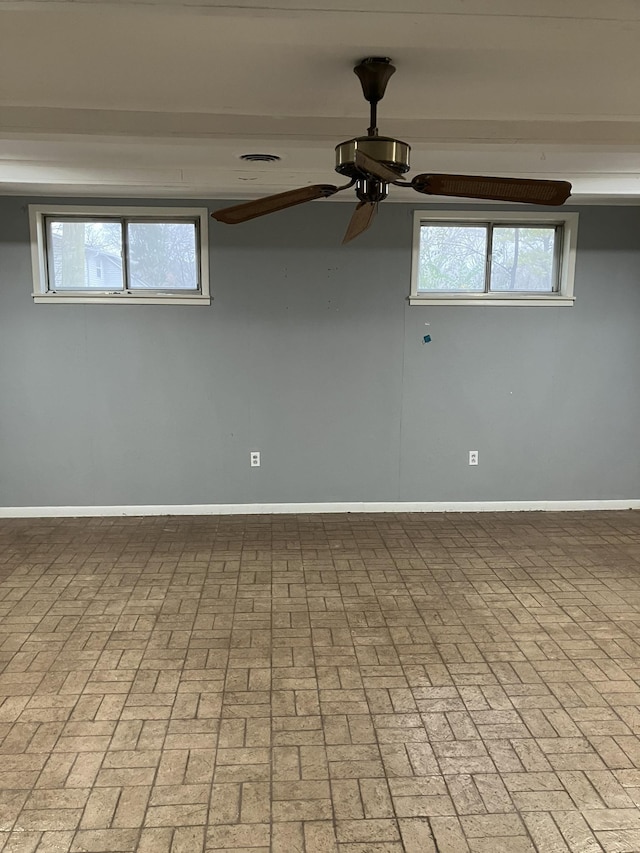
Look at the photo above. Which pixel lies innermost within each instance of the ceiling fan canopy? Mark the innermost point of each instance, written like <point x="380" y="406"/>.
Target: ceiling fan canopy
<point x="373" y="162"/>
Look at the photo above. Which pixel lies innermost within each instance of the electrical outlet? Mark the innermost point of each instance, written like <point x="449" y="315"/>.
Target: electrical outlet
<point x="255" y="458"/>
<point x="473" y="457"/>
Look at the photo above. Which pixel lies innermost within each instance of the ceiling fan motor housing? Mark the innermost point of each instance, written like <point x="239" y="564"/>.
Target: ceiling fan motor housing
<point x="391" y="152"/>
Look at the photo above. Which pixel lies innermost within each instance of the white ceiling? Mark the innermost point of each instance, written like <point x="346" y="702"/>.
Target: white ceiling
<point x="160" y="97"/>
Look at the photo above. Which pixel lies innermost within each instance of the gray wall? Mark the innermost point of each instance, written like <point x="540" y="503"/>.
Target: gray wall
<point x="311" y="354"/>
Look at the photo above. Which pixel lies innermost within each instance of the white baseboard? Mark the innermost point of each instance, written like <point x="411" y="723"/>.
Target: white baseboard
<point x="307" y="508"/>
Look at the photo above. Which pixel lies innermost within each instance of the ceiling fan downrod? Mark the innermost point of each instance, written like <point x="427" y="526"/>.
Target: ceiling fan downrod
<point x="374" y="73"/>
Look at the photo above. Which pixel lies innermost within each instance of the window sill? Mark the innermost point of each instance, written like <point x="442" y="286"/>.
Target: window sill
<point x="118" y="298"/>
<point x="489" y="299"/>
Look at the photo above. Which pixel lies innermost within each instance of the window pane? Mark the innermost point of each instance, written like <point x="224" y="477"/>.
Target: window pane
<point x="452" y="258"/>
<point x="522" y="259"/>
<point x="85" y="255"/>
<point x="162" y="256"/>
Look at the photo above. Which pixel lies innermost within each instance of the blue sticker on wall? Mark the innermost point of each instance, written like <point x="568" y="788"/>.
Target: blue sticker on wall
<point x="427" y="339"/>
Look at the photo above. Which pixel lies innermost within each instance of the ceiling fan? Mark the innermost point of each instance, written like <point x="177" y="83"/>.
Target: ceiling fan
<point x="373" y="163"/>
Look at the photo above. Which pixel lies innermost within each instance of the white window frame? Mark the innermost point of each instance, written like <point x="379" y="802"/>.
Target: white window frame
<point x="567" y="257"/>
<point x="38" y="213"/>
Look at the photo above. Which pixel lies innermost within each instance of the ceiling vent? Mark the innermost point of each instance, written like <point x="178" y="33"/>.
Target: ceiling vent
<point x="260" y="158"/>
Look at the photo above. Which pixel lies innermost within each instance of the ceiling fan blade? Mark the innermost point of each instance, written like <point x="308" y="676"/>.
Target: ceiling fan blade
<point x="373" y="167"/>
<point x="272" y="203"/>
<point x="362" y="218"/>
<point x="526" y="190"/>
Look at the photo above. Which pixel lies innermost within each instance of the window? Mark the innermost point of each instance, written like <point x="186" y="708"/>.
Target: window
<point x="493" y="258"/>
<point x="128" y="254"/>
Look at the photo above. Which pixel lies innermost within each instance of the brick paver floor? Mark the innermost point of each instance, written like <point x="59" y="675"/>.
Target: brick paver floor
<point x="321" y="684"/>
